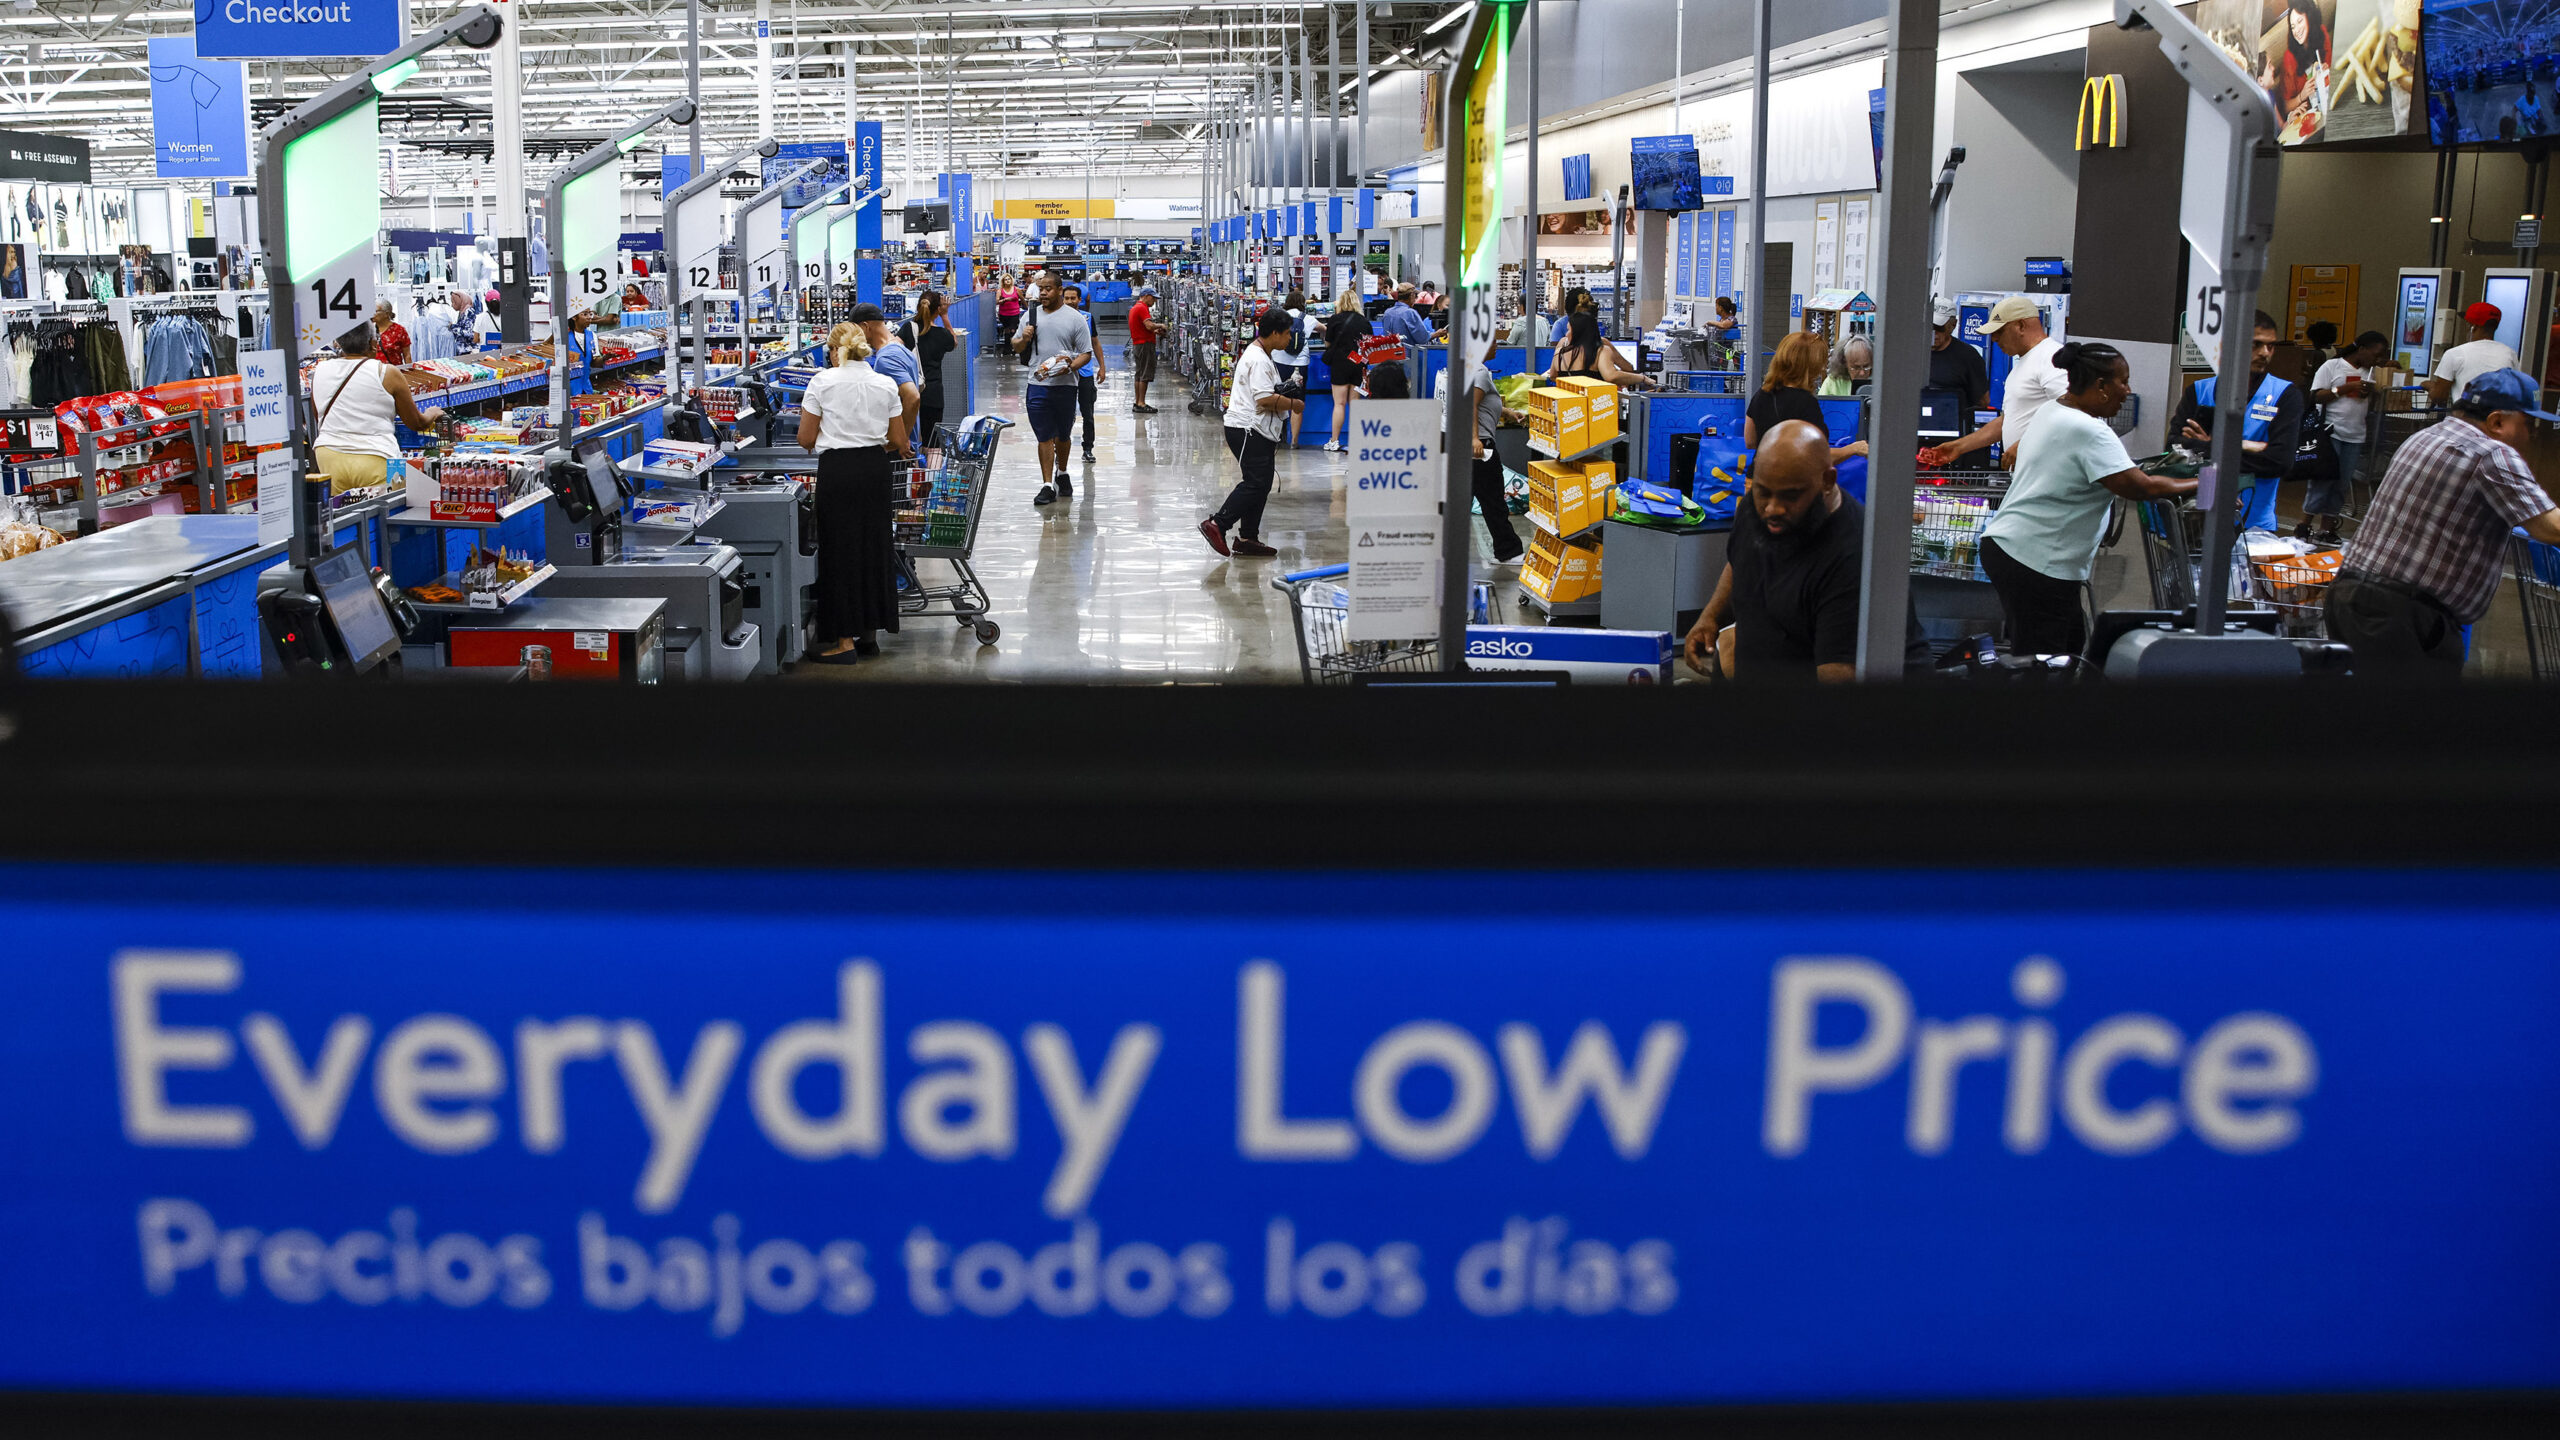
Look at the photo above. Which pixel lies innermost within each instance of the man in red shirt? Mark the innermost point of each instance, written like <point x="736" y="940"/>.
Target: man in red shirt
<point x="1142" y="347"/>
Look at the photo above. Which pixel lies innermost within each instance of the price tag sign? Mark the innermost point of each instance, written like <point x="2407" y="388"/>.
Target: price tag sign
<point x="331" y="226"/>
<point x="697" y="236"/>
<point x="591" y="236"/>
<point x="2206" y="314"/>
<point x="809" y="249"/>
<point x="761" y="253"/>
<point x="842" y="243"/>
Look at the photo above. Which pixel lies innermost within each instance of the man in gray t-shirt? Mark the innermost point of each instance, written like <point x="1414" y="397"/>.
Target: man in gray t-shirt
<point x="1057" y="342"/>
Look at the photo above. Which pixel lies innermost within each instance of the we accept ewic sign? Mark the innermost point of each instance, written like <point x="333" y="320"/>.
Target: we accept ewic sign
<point x="1353" y="1143"/>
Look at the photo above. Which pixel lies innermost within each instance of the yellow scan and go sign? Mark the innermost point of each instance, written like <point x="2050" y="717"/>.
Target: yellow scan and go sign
<point x="1480" y="165"/>
<point x="1054" y="209"/>
<point x="2101" y="121"/>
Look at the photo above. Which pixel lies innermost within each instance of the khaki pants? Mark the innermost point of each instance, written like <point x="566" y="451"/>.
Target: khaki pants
<point x="350" y="472"/>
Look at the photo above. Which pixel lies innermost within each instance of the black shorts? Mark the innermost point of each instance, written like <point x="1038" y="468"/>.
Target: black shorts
<point x="1053" y="410"/>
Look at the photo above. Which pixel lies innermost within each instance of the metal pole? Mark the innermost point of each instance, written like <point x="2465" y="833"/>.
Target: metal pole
<point x="1754" y="336"/>
<point x="693" y="81"/>
<point x="1332" y="140"/>
<point x="1360" y="144"/>
<point x="1530" y="290"/>
<point x="1902" y="351"/>
<point x="764" y="79"/>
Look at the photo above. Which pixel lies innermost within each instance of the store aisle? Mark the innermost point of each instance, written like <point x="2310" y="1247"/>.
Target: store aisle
<point x="1117" y="583"/>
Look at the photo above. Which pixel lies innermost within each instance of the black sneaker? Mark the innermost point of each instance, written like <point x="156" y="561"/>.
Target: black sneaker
<point x="2330" y="539"/>
<point x="1066" y="486"/>
<point x="1088" y="454"/>
<point x="1048" y="496"/>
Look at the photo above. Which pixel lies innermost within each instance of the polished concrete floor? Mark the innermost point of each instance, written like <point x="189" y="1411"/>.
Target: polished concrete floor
<point x="1118" y="586"/>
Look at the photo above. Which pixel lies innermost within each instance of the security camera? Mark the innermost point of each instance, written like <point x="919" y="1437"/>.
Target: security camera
<point x="680" y="113"/>
<point x="769" y="148"/>
<point x="480" y="34"/>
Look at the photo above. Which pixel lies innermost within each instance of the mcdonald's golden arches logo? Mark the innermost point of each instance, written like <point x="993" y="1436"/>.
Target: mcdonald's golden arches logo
<point x="2101" y="121"/>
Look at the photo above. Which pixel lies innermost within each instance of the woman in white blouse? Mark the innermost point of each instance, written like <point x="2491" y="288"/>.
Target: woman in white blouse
<point x="852" y="417"/>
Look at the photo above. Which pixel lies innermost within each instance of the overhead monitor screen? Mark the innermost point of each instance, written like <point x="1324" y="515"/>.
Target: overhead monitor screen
<point x="2492" y="70"/>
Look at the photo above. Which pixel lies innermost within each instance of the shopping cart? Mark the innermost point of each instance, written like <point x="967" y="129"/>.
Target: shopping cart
<point x="1947" y="522"/>
<point x="939" y="521"/>
<point x="2537" y="568"/>
<point x="2296" y="587"/>
<point x="1320" y="613"/>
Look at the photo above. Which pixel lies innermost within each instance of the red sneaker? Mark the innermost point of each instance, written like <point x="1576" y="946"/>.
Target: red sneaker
<point x="1216" y="537"/>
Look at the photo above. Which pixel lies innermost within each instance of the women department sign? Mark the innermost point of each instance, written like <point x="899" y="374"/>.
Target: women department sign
<point x="270" y="29"/>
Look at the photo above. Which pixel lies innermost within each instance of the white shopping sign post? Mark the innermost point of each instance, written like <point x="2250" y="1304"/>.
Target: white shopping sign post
<point x="1393" y="506"/>
<point x="263" y="418"/>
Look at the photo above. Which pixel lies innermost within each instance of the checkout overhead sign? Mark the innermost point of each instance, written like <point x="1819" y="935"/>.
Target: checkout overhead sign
<point x="285" y="29"/>
<point x="1392" y="1141"/>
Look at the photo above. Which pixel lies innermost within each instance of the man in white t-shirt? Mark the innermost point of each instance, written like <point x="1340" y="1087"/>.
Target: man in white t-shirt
<point x="2017" y="327"/>
<point x="2343" y="389"/>
<point x="1256" y="411"/>
<point x="2474" y="357"/>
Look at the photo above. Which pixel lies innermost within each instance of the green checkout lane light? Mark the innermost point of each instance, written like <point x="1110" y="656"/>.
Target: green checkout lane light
<point x="324" y="217"/>
<point x="397" y="76"/>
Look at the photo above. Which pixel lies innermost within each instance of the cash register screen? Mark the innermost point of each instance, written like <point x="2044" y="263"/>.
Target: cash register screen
<point x="1941" y="414"/>
<point x="355" y="608"/>
<point x="603" y="486"/>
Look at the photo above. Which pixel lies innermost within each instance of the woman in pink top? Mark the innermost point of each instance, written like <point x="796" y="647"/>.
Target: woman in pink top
<point x="1008" y="313"/>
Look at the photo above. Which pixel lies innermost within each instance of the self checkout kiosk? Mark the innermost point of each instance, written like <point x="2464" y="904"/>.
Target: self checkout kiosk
<point x="2426" y="318"/>
<point x="346" y="624"/>
<point x="601" y="553"/>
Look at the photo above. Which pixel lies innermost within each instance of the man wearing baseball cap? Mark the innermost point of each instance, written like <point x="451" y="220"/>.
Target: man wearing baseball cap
<point x="1954" y="365"/>
<point x="891" y="358"/>
<point x="2428" y="558"/>
<point x="2473" y="358"/>
<point x="2017" y="327"/>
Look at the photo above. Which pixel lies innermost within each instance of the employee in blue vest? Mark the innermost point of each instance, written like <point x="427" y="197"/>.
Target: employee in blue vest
<point x="2268" y="435"/>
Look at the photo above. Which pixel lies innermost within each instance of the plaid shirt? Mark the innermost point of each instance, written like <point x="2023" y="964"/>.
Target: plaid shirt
<point x="2441" y="520"/>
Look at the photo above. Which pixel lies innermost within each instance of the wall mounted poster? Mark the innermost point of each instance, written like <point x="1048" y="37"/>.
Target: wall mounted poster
<point x="2333" y="69"/>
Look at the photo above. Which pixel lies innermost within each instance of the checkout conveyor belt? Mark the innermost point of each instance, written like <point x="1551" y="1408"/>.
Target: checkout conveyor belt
<point x="167" y="596"/>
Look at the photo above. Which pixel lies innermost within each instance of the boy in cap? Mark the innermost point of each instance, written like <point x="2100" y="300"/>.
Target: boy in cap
<point x="2473" y="358"/>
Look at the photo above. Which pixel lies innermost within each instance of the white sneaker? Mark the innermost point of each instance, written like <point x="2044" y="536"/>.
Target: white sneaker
<point x="1337" y="447"/>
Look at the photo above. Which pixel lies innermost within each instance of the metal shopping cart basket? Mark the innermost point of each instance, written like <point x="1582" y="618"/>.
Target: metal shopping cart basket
<point x="1320" y="613"/>
<point x="2537" y="568"/>
<point x="938" y="520"/>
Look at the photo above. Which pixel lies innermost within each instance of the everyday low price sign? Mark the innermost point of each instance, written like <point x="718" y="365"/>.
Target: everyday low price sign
<point x="1393" y="505"/>
<point x="1339" y="1139"/>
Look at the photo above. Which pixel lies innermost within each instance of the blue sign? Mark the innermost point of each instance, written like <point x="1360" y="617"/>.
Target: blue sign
<point x="277" y="29"/>
<point x="1702" y="256"/>
<point x="867" y="163"/>
<point x="1715" y="184"/>
<point x="1340" y="1139"/>
<point x="1683" y="245"/>
<point x="1368" y="209"/>
<point x="1577" y="177"/>
<point x="1724" y="253"/>
<point x="675" y="170"/>
<point x="199" y="114"/>
<point x="961" y="189"/>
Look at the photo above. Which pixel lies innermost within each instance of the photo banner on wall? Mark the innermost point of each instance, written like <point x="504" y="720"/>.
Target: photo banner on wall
<point x="199" y="114"/>
<point x="330" y="29"/>
<point x="2348" y="69"/>
<point x="788" y="158"/>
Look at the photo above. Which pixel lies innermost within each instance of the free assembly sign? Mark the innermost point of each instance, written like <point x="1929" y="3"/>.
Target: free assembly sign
<point x="1322" y="1139"/>
<point x="285" y="29"/>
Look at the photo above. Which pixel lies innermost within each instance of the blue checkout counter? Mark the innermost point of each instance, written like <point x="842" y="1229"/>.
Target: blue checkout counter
<point x="1658" y="415"/>
<point x="168" y="597"/>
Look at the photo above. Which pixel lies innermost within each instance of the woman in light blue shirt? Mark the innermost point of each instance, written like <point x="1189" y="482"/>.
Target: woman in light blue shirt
<point x="2038" y="549"/>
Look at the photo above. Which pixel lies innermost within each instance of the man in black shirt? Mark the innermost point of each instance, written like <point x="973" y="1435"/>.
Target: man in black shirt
<point x="1792" y="572"/>
<point x="1956" y="366"/>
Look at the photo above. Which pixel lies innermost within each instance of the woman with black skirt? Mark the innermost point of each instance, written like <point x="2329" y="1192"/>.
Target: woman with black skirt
<point x="929" y="335"/>
<point x="852" y="417"/>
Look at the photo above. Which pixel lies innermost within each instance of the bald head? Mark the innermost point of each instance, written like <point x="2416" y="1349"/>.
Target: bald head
<point x="1791" y="481"/>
